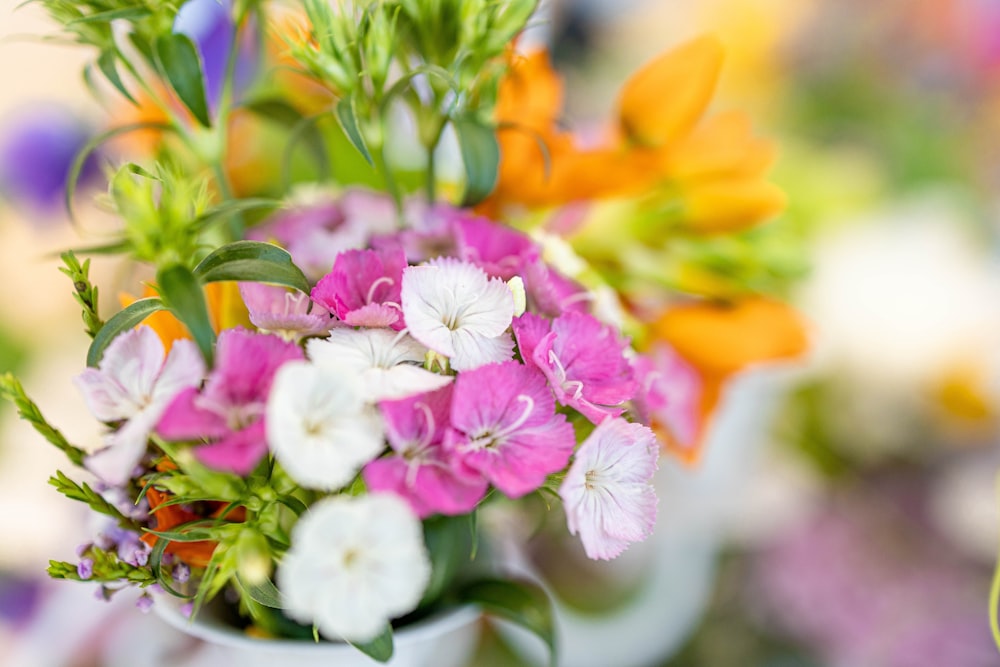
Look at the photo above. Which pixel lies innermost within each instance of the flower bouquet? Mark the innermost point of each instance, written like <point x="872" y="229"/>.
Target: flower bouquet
<point x="385" y="291"/>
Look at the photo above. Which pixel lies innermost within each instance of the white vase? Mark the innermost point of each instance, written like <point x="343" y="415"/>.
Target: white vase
<point x="447" y="639"/>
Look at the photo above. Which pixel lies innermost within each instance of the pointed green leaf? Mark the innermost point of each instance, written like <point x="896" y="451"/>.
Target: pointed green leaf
<point x="265" y="593"/>
<point x="106" y="62"/>
<point x="481" y="156"/>
<point x="347" y="115"/>
<point x="182" y="293"/>
<point x="129" y="13"/>
<point x="380" y="648"/>
<point x="252" y="261"/>
<point x="520" y="602"/>
<point x="178" y="60"/>
<point x="449" y="544"/>
<point x="122" y="321"/>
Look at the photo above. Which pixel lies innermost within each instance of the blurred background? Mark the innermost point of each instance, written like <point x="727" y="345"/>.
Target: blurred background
<point x="846" y="512"/>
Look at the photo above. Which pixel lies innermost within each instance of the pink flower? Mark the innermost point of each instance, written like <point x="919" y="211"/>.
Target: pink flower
<point x="135" y="384"/>
<point x="669" y="394"/>
<point x="607" y="493"/>
<point x="583" y="360"/>
<point x="498" y="250"/>
<point x="230" y="409"/>
<point x="421" y="470"/>
<point x="505" y="426"/>
<point x="551" y="293"/>
<point x="287" y="313"/>
<point x="364" y="288"/>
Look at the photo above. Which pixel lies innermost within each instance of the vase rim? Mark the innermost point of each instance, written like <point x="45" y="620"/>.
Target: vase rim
<point x="211" y="630"/>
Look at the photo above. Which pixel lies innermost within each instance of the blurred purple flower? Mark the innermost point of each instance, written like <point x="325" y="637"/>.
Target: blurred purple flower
<point x="210" y="25"/>
<point x="866" y="583"/>
<point x="37" y="149"/>
<point x="19" y="599"/>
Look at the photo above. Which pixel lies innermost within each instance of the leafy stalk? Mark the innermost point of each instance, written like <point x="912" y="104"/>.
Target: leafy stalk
<point x="84" y="292"/>
<point x="12" y="390"/>
<point x="96" y="501"/>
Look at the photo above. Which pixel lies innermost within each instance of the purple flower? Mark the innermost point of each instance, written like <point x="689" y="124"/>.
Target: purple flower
<point x="85" y="568"/>
<point x="230" y="409"/>
<point x="210" y="25"/>
<point x="583" y="360"/>
<point x="421" y="470"/>
<point x="181" y="573"/>
<point x="364" y="288"/>
<point x="287" y="313"/>
<point x="504" y="425"/>
<point x="37" y="149"/>
<point x="144" y="603"/>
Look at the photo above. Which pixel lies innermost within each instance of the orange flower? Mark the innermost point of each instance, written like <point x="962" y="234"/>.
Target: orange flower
<point x="711" y="170"/>
<point x="197" y="554"/>
<point x="720" y="340"/>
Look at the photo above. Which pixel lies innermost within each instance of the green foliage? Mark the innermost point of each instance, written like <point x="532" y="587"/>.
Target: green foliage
<point x="177" y="59"/>
<point x="122" y="321"/>
<point x="379" y="649"/>
<point x="12" y="390"/>
<point x="481" y="157"/>
<point x="252" y="261"/>
<point x="97" y="502"/>
<point x="520" y="602"/>
<point x="184" y="296"/>
<point x="84" y="291"/>
<point x="107" y="568"/>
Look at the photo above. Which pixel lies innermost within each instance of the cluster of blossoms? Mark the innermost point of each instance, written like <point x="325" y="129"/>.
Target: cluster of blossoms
<point x="430" y="365"/>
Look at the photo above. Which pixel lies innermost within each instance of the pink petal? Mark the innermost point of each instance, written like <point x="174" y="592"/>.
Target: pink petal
<point x="184" y="420"/>
<point x="238" y="452"/>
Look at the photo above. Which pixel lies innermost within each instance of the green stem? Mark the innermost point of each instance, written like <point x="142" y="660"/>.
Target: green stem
<point x="390" y="181"/>
<point x="995" y="595"/>
<point x="431" y="145"/>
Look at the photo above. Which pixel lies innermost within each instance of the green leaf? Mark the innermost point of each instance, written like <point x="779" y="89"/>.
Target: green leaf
<point x="183" y="295"/>
<point x="106" y="63"/>
<point x="111" y="15"/>
<point x="232" y="207"/>
<point x="481" y="156"/>
<point x="178" y="60"/>
<point x="254" y="261"/>
<point x="448" y="544"/>
<point x="27" y="410"/>
<point x="380" y="648"/>
<point x="347" y="115"/>
<point x="520" y="602"/>
<point x="301" y="128"/>
<point x="264" y="593"/>
<point x="122" y="321"/>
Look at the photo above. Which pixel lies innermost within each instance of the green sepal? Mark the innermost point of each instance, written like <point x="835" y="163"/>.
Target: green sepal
<point x="123" y="320"/>
<point x="481" y="157"/>
<point x="178" y="59"/>
<point x="252" y="261"/>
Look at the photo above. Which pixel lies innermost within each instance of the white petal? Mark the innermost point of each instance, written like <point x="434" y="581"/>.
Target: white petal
<point x="472" y="351"/>
<point x="185" y="367"/>
<point x="124" y="448"/>
<point x="134" y="359"/>
<point x="318" y="426"/>
<point x="400" y="382"/>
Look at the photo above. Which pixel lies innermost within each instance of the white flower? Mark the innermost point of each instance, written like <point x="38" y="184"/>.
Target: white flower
<point x="319" y="427"/>
<point x="355" y="564"/>
<point x="453" y="308"/>
<point x="607" y="493"/>
<point x="387" y="362"/>
<point x="134" y="383"/>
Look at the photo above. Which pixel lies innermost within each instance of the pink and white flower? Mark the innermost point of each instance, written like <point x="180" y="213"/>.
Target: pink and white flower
<point x="453" y="308"/>
<point x="608" y="495"/>
<point x="670" y="393"/>
<point x="229" y="410"/>
<point x="583" y="359"/>
<point x="505" y="426"/>
<point x="363" y="289"/>
<point x="387" y="363"/>
<point x="319" y="427"/>
<point x="420" y="469"/>
<point x="284" y="312"/>
<point x="134" y="383"/>
<point x="356" y="562"/>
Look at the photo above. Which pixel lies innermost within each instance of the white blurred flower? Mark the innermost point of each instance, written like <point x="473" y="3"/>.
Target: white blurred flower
<point x="388" y="363"/>
<point x="453" y="308"/>
<point x="355" y="564"/>
<point x="319" y="426"/>
<point x="608" y="493"/>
